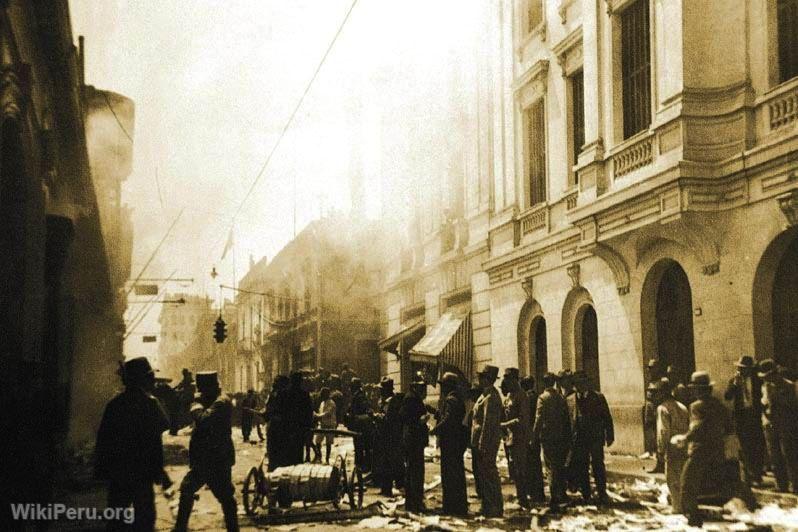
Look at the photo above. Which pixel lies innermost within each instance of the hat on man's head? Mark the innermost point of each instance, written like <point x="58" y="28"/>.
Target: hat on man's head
<point x="386" y="383"/>
<point x="207" y="379"/>
<point x="746" y="361"/>
<point x="356" y="382"/>
<point x="449" y="378"/>
<point x="653" y="363"/>
<point x="489" y="371"/>
<point x="418" y="379"/>
<point x="512" y="373"/>
<point x="767" y="367"/>
<point x="137" y="368"/>
<point x="700" y="379"/>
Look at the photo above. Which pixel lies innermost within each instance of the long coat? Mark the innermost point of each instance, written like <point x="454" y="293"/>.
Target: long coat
<point x="553" y="420"/>
<point x="485" y="423"/>
<point x="211" y="444"/>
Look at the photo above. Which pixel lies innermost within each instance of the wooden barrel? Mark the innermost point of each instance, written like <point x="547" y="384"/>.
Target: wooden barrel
<point x="307" y="482"/>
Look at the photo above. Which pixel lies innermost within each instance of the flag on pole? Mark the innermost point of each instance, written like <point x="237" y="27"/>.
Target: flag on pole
<point x="228" y="245"/>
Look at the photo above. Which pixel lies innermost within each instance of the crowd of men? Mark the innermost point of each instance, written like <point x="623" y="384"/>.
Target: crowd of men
<point x="563" y="429"/>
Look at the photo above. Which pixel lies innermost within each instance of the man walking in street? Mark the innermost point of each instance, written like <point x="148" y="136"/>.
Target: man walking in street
<point x="592" y="430"/>
<point x="780" y="423"/>
<point x="535" y="464"/>
<point x="673" y="419"/>
<point x="553" y="430"/>
<point x="452" y="440"/>
<point x="745" y="393"/>
<point x="415" y="438"/>
<point x="388" y="439"/>
<point x="517" y="427"/>
<point x="705" y="468"/>
<point x="485" y="439"/>
<point x="129" y="451"/>
<point x="248" y="405"/>
<point x="211" y="453"/>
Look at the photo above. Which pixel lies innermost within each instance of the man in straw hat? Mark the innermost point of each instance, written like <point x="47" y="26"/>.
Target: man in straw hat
<point x="210" y="452"/>
<point x="485" y="439"/>
<point x="745" y="392"/>
<point x="452" y="440"/>
<point x="706" y="465"/>
<point x="129" y="451"/>
<point x="780" y="422"/>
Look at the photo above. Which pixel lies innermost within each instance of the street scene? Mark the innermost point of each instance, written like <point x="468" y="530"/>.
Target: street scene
<point x="455" y="265"/>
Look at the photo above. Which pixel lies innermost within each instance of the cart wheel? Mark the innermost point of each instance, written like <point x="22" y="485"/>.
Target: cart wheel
<point x="253" y="491"/>
<point x="356" y="488"/>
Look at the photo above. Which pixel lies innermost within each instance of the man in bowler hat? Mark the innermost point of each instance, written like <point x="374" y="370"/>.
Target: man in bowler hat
<point x="485" y="439"/>
<point x="210" y="452"/>
<point x="129" y="451"/>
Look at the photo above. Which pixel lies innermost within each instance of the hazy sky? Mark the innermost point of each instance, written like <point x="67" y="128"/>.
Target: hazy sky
<point x="214" y="82"/>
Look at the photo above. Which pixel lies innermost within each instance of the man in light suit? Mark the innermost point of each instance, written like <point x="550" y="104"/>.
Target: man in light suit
<point x="485" y="439"/>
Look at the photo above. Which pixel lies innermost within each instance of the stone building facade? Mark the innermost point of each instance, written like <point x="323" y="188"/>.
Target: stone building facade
<point x="312" y="305"/>
<point x="60" y="316"/>
<point x="644" y="187"/>
<point x="180" y="325"/>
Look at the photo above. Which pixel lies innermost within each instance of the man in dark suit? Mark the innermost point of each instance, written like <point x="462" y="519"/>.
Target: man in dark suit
<point x="745" y="393"/>
<point x="452" y="439"/>
<point x="535" y="464"/>
<point x="415" y="437"/>
<point x="593" y="428"/>
<point x="553" y="430"/>
<point x="517" y="428"/>
<point x="129" y="451"/>
<point x="485" y="440"/>
<point x="780" y="420"/>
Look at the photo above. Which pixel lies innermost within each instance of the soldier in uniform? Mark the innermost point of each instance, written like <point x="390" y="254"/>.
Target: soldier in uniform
<point x="517" y="427"/>
<point x="485" y="439"/>
<point x="211" y="453"/>
<point x="553" y="430"/>
<point x="415" y="437"/>
<point x="706" y="457"/>
<point x="592" y="430"/>
<point x="452" y="440"/>
<point x="780" y="423"/>
<point x="745" y="393"/>
<point x="129" y="451"/>
<point x="388" y="451"/>
<point x="535" y="464"/>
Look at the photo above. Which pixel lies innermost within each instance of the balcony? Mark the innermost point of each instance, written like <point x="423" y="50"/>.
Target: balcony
<point x="633" y="155"/>
<point x="777" y="110"/>
<point x="534" y="219"/>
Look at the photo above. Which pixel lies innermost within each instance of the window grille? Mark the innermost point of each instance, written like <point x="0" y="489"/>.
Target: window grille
<point x="636" y="68"/>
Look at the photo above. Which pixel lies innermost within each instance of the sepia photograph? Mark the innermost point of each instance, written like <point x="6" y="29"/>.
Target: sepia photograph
<point x="417" y="265"/>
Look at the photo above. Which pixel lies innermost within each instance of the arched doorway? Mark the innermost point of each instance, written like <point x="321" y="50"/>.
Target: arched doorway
<point x="532" y="341"/>
<point x="775" y="301"/>
<point x="587" y="353"/>
<point x="667" y="312"/>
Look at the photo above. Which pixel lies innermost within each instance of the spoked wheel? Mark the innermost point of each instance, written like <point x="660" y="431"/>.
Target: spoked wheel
<point x="356" y="488"/>
<point x="252" y="492"/>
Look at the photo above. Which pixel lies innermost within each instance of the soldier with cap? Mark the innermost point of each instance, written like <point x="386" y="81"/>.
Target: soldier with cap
<point x="211" y="453"/>
<point x="592" y="430"/>
<point x="452" y="440"/>
<point x="389" y="458"/>
<point x="535" y="464"/>
<point x="415" y="437"/>
<point x="129" y="451"/>
<point x="517" y="428"/>
<point x="485" y="439"/>
<point x="780" y="423"/>
<point x="672" y="420"/>
<point x="745" y="392"/>
<point x="705" y="468"/>
<point x="553" y="430"/>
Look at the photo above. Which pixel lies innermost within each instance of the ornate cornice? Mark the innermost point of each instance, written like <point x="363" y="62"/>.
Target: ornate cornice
<point x="569" y="51"/>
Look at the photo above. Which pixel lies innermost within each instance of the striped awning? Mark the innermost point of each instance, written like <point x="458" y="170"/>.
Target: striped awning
<point x="391" y="343"/>
<point x="449" y="341"/>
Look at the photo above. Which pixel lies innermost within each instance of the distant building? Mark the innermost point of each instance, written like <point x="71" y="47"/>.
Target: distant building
<point x="312" y="306"/>
<point x="180" y="324"/>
